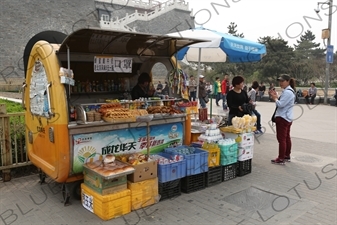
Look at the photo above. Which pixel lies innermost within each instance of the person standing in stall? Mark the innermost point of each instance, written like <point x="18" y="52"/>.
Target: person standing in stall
<point x="143" y="89"/>
<point x="236" y="98"/>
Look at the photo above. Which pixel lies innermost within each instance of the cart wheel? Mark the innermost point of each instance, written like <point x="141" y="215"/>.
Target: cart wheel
<point x="42" y="176"/>
<point x="65" y="194"/>
<point x="76" y="190"/>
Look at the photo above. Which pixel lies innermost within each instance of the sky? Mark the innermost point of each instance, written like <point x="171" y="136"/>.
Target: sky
<point x="258" y="18"/>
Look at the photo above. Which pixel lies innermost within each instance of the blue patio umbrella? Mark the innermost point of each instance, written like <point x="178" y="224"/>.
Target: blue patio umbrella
<point x="221" y="47"/>
<point x="235" y="48"/>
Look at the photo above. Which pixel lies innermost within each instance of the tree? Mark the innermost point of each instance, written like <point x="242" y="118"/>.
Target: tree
<point x="278" y="59"/>
<point x="232" y="30"/>
<point x="308" y="56"/>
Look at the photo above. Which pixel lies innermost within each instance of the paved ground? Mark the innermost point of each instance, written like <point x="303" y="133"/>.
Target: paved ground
<point x="301" y="192"/>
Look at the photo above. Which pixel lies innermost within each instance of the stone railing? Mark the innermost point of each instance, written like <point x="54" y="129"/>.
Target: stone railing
<point x="155" y="11"/>
<point x="148" y="5"/>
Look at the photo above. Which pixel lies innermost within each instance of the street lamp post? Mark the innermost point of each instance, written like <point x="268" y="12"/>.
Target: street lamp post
<point x="327" y="65"/>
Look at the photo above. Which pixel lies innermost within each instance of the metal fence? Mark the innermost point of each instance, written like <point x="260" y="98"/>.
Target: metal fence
<point x="13" y="152"/>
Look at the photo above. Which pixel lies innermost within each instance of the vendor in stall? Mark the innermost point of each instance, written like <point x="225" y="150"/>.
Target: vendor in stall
<point x="143" y="89"/>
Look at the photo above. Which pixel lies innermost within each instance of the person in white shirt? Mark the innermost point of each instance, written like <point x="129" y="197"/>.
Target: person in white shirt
<point x="283" y="117"/>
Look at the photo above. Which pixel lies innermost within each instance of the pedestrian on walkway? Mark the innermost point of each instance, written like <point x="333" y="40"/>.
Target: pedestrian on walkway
<point x="224" y="91"/>
<point x="202" y="91"/>
<point x="252" y="95"/>
<point x="217" y="90"/>
<point x="192" y="88"/>
<point x="262" y="89"/>
<point x="283" y="117"/>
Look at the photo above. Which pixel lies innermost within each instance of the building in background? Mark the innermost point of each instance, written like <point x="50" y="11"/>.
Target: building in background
<point x="20" y="21"/>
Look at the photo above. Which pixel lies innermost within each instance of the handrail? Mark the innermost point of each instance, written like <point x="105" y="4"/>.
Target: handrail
<point x="155" y="11"/>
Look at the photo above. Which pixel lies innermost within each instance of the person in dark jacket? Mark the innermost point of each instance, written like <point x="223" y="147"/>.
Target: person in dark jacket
<point x="202" y="91"/>
<point x="142" y="89"/>
<point x="236" y="98"/>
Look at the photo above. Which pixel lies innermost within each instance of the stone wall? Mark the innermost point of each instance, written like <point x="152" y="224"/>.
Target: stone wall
<point x="21" y="20"/>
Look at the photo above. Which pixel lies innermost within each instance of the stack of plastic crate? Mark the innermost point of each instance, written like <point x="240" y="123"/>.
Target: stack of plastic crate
<point x="245" y="153"/>
<point x="105" y="196"/>
<point x="214" y="174"/>
<point x="196" y="167"/>
<point x="228" y="158"/>
<point x="170" y="171"/>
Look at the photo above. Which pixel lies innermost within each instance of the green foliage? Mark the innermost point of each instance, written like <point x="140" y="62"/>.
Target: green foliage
<point x="278" y="59"/>
<point x="232" y="30"/>
<point x="12" y="107"/>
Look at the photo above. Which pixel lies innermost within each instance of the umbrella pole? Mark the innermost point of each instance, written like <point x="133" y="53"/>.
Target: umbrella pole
<point x="197" y="97"/>
<point x="211" y="108"/>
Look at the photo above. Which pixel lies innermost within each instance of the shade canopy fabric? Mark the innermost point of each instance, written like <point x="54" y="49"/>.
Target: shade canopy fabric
<point x="221" y="48"/>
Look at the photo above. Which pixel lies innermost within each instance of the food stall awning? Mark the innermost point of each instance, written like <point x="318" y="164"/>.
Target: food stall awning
<point x="112" y="42"/>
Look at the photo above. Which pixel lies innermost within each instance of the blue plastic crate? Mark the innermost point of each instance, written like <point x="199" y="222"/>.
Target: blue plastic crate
<point x="172" y="171"/>
<point x="196" y="162"/>
<point x="228" y="159"/>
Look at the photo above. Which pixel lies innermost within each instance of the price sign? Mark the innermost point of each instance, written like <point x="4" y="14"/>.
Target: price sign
<point x="88" y="202"/>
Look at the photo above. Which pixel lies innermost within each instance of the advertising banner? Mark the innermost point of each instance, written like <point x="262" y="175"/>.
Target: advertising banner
<point x="125" y="141"/>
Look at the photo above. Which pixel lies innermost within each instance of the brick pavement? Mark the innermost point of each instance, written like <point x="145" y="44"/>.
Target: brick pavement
<point x="301" y="192"/>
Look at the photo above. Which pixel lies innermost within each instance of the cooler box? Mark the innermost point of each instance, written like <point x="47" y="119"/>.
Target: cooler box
<point x="103" y="186"/>
<point x="144" y="193"/>
<point x="108" y="206"/>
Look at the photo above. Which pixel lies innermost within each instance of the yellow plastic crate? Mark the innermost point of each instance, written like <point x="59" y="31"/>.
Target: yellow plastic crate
<point x="213" y="157"/>
<point x="143" y="193"/>
<point x="106" y="206"/>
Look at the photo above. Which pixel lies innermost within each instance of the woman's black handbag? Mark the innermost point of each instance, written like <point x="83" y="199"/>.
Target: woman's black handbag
<point x="206" y="99"/>
<point x="247" y="108"/>
<point x="273" y="116"/>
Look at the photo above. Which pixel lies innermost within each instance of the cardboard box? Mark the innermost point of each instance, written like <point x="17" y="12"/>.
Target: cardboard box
<point x="101" y="185"/>
<point x="245" y="153"/>
<point x="144" y="171"/>
<point x="247" y="139"/>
